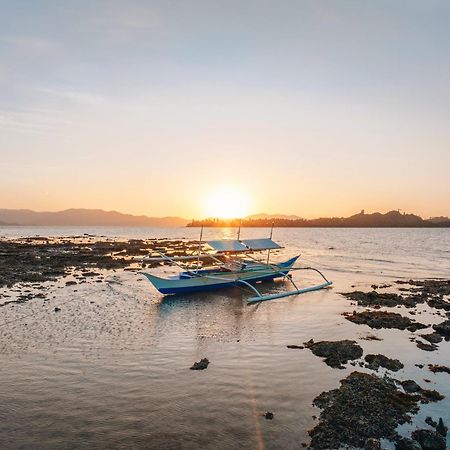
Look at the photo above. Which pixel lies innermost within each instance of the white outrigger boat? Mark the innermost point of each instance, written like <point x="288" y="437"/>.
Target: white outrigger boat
<point x="232" y="265"/>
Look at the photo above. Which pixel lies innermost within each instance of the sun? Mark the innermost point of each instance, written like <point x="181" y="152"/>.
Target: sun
<point x="227" y="203"/>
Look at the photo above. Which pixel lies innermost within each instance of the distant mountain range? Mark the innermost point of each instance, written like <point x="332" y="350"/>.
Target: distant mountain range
<point x="85" y="217"/>
<point x="98" y="217"/>
<point x="375" y="220"/>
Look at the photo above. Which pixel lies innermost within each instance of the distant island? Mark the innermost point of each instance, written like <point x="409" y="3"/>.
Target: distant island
<point x="392" y="219"/>
<point x="84" y="217"/>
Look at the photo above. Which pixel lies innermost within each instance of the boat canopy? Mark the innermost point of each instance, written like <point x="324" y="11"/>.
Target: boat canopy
<point x="261" y="244"/>
<point x="229" y="245"/>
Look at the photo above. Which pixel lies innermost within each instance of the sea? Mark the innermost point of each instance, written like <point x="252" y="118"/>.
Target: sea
<point x="111" y="369"/>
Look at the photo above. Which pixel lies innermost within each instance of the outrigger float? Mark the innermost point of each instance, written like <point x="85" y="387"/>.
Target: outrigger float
<point x="232" y="265"/>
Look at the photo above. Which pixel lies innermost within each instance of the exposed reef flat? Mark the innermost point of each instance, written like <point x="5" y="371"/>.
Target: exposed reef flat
<point x="366" y="408"/>
<point x="40" y="259"/>
<point x="363" y="407"/>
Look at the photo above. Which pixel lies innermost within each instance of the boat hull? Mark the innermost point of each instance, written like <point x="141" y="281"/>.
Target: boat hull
<point x="218" y="280"/>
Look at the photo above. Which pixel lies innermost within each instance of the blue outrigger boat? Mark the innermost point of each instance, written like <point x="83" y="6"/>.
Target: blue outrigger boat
<point x="233" y="265"/>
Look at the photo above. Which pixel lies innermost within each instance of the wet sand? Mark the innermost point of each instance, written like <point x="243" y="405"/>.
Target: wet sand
<point x="92" y="355"/>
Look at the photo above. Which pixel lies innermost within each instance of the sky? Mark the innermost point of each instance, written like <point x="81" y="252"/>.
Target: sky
<point x="314" y="108"/>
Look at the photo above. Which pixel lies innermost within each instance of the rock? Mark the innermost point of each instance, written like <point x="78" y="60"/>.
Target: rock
<point x="417" y="326"/>
<point x="443" y="328"/>
<point x="407" y="444"/>
<point x="434" y="338"/>
<point x="438" y="368"/>
<point x="441" y="428"/>
<point x="268" y="415"/>
<point x="372" y="444"/>
<point x="57" y="309"/>
<point x="429" y="439"/>
<point x="425" y="395"/>
<point x="364" y="406"/>
<point x="374" y="362"/>
<point x="429" y="420"/>
<point x="433" y="291"/>
<point x="201" y="365"/>
<point x="295" y="346"/>
<point x="374" y="298"/>
<point x="431" y="395"/>
<point x="70" y="283"/>
<point x="410" y="386"/>
<point x="426" y="347"/>
<point x="383" y="319"/>
<point x="335" y="353"/>
<point x="371" y="337"/>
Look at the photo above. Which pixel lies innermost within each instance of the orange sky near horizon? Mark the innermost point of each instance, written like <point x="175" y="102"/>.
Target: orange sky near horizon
<point x="210" y="202"/>
<point x="304" y="107"/>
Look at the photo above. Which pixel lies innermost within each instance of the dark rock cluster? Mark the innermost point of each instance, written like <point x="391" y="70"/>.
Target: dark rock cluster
<point x="335" y="353"/>
<point x="200" y="365"/>
<point x="377" y="299"/>
<point x="434" y="290"/>
<point x="435" y="368"/>
<point x="363" y="407"/>
<point x="383" y="319"/>
<point x="429" y="440"/>
<point x="374" y="362"/>
<point x="443" y="328"/>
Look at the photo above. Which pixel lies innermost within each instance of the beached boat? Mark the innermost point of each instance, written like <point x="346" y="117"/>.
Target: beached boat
<point x="233" y="264"/>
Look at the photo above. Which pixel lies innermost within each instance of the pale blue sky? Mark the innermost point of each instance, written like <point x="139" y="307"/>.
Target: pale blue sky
<point x="310" y="107"/>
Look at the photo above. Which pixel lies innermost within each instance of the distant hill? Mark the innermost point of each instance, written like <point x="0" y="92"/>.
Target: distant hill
<point x="271" y="216"/>
<point x="393" y="219"/>
<point x="85" y="217"/>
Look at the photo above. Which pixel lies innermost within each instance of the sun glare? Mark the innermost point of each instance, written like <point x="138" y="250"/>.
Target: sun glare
<point x="227" y="203"/>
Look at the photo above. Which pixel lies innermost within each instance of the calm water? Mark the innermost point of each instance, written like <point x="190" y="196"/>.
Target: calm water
<point x="111" y="370"/>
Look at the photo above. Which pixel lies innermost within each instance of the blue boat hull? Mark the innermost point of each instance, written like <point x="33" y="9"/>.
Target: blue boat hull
<point x="208" y="280"/>
<point x="214" y="287"/>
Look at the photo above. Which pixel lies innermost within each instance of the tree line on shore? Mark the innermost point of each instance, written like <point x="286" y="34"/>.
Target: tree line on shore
<point x="360" y="220"/>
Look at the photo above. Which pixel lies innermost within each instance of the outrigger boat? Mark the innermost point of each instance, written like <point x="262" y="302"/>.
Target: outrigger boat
<point x="233" y="265"/>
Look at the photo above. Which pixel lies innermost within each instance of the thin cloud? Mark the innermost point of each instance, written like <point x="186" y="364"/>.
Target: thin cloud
<point x="32" y="44"/>
<point x="74" y="96"/>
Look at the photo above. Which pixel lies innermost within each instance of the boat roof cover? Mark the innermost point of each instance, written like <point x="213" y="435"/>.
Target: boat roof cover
<point x="229" y="245"/>
<point x="261" y="244"/>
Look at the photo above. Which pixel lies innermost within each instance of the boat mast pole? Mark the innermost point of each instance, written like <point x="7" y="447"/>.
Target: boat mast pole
<point x="199" y="247"/>
<point x="239" y="230"/>
<point x="268" y="251"/>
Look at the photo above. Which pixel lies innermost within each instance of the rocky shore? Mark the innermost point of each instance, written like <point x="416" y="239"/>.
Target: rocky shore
<point x="33" y="261"/>
<point x="367" y="408"/>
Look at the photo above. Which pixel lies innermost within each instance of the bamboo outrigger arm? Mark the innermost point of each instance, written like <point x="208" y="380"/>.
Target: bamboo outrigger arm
<point x="261" y="298"/>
